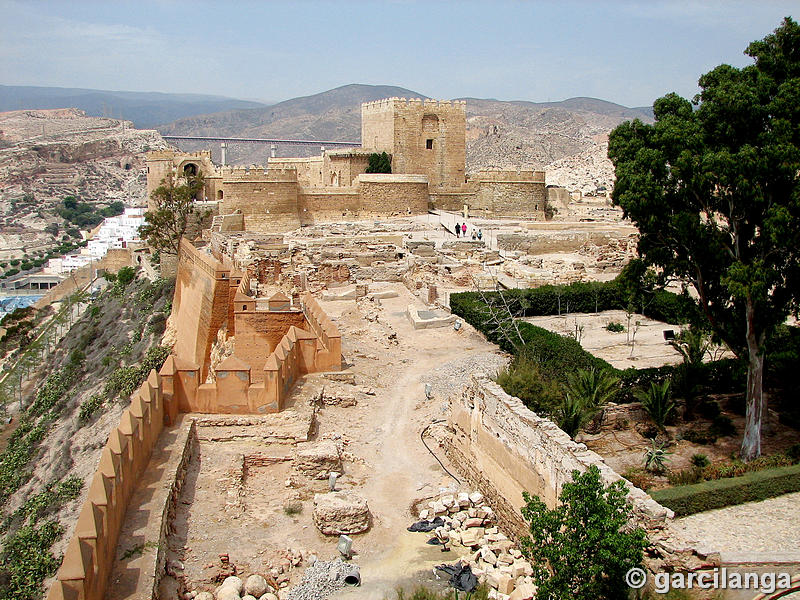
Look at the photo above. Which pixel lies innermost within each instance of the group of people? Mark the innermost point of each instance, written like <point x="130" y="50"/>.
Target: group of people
<point x="461" y="231"/>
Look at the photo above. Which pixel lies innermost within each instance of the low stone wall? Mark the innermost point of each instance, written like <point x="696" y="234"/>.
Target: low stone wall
<point x="503" y="449"/>
<point x="91" y="552"/>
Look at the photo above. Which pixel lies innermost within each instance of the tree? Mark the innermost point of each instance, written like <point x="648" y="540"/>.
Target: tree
<point x="174" y="205"/>
<point x="582" y="549"/>
<point x="379" y="163"/>
<point x="714" y="191"/>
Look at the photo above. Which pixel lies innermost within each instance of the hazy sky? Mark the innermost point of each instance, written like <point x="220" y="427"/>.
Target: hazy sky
<point x="626" y="52"/>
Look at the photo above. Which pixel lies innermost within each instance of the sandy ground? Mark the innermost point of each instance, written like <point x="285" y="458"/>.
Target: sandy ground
<point x="649" y="348"/>
<point x="384" y="459"/>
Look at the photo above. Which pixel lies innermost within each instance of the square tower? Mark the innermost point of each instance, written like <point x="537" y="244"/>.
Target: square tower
<point x="424" y="137"/>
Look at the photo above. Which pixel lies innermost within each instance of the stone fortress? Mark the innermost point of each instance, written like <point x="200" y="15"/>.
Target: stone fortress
<point x="427" y="144"/>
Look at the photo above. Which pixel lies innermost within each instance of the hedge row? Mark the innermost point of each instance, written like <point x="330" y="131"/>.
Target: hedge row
<point x="751" y="487"/>
<point x="588" y="297"/>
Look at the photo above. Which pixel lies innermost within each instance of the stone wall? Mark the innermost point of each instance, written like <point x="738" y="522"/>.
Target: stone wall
<point x="266" y="198"/>
<point x="89" y="557"/>
<point x="505" y="449"/>
<point x="424" y="137"/>
<point x="200" y="305"/>
<point x="389" y="194"/>
<point x="258" y="333"/>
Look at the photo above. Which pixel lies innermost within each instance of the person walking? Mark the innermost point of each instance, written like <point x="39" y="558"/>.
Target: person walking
<point x="480" y="234"/>
<point x="458" y="230"/>
<point x="464" y="229"/>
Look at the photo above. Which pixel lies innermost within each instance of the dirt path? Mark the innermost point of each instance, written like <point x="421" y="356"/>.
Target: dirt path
<point x="386" y="433"/>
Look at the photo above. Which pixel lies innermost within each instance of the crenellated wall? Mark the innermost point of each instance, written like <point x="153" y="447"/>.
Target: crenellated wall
<point x="89" y="557"/>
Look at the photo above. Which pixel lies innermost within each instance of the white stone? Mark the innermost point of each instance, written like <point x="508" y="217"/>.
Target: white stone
<point x="476" y="498"/>
<point x="204" y="596"/>
<point x="268" y="596"/>
<point x="227" y="592"/>
<point x="234" y="582"/>
<point x="256" y="585"/>
<point x="423" y="515"/>
<point x="337" y="513"/>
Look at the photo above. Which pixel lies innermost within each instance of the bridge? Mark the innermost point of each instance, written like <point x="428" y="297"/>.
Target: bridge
<point x="224" y="141"/>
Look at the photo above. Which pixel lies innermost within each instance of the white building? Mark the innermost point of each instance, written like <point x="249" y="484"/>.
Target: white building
<point x="114" y="232"/>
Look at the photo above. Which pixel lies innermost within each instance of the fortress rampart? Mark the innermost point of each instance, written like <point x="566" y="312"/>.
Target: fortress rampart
<point x="426" y="140"/>
<point x="91" y="552"/>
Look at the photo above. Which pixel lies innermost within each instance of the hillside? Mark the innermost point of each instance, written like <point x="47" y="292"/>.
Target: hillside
<point x="144" y="109"/>
<point x="46" y="155"/>
<point x="567" y="138"/>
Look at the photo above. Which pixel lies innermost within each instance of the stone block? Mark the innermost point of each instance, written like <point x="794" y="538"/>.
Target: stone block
<point x="318" y="459"/>
<point x="341" y="513"/>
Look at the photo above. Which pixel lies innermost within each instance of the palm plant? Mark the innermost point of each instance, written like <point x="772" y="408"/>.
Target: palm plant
<point x="657" y="401"/>
<point x="594" y="387"/>
<point x="573" y="414"/>
<point x="656" y="458"/>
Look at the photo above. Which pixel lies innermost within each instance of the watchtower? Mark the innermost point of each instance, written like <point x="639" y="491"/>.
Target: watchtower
<point x="425" y="137"/>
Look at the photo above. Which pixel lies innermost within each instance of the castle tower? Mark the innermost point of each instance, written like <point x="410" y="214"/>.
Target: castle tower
<point x="424" y="137"/>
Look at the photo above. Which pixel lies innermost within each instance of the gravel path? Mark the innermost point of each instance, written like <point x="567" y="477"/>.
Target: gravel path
<point x="451" y="377"/>
<point x="767" y="526"/>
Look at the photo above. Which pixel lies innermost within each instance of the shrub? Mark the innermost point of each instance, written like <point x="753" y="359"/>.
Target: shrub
<point x="722" y="426"/>
<point x="125" y="275"/>
<point x="523" y="379"/>
<point x="89" y="407"/>
<point x="639" y="477"/>
<point x="751" y="487"/>
<point x="594" y="387"/>
<point x="615" y="327"/>
<point x="700" y="461"/>
<point x="573" y="414"/>
<point x="290" y="509"/>
<point x="699" y="435"/>
<point x="656" y="458"/>
<point x="591" y="522"/>
<point x="379" y="163"/>
<point x="658" y="403"/>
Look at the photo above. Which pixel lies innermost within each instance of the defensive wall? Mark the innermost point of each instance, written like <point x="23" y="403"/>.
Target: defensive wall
<point x="207" y="296"/>
<point x="91" y="552"/>
<point x="271" y="348"/>
<point x="426" y="140"/>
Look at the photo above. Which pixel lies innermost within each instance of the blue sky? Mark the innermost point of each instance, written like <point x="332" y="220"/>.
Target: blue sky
<point x="625" y="52"/>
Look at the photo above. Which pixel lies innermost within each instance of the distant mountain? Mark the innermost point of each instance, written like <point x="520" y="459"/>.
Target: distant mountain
<point x="332" y="115"/>
<point x="145" y="109"/>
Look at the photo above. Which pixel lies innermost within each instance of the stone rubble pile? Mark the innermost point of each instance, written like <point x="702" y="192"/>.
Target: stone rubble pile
<point x="255" y="587"/>
<point x="470" y="523"/>
<point x="320" y="580"/>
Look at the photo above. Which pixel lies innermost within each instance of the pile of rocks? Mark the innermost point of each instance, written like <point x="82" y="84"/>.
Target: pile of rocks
<point x="470" y="522"/>
<point x="254" y="587"/>
<point x="320" y="580"/>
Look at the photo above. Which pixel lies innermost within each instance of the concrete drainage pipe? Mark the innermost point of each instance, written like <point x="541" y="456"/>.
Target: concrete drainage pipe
<point x="353" y="577"/>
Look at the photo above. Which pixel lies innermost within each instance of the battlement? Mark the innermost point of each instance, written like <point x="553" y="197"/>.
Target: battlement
<point x="395" y="103"/>
<point x="509" y="176"/>
<point x="258" y="173"/>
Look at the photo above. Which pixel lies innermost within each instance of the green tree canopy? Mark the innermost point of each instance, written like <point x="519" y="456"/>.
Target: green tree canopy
<point x="582" y="549"/>
<point x="379" y="163"/>
<point x="713" y="187"/>
<point x="173" y="207"/>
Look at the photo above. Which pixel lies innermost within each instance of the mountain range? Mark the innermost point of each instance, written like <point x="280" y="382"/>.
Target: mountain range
<point x="568" y="138"/>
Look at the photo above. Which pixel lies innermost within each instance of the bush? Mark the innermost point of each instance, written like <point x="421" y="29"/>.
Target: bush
<point x="700" y="461"/>
<point x="582" y="548"/>
<point x="722" y="426"/>
<point x="751" y="487"/>
<point x="125" y="275"/>
<point x="89" y="407"/>
<point x="658" y="403"/>
<point x="615" y="327"/>
<point x="379" y="163"/>
<point x="523" y="379"/>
